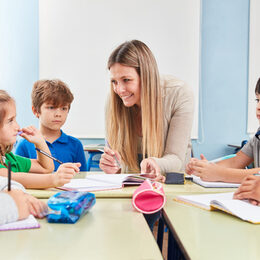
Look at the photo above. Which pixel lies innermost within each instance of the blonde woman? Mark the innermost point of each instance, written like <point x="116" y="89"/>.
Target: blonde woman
<point x="148" y="118"/>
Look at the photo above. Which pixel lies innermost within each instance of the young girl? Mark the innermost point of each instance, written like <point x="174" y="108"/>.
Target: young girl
<point x="149" y="117"/>
<point x="20" y="166"/>
<point x="16" y="204"/>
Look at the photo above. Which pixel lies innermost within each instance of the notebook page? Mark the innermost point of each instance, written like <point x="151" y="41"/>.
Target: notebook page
<point x="90" y="185"/>
<point x="214" y="184"/>
<point x="203" y="200"/>
<point x="240" y="208"/>
<point x="27" y="223"/>
<point x="108" y="178"/>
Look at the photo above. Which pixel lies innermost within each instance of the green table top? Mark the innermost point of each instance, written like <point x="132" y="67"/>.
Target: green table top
<point x="110" y="230"/>
<point x="127" y="192"/>
<point x="212" y="234"/>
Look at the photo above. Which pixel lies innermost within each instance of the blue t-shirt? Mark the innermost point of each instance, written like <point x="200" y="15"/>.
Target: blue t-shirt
<point x="66" y="149"/>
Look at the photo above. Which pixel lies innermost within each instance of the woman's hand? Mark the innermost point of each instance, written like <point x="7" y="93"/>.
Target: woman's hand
<point x="152" y="170"/>
<point x="110" y="161"/>
<point x="65" y="173"/>
<point x="249" y="189"/>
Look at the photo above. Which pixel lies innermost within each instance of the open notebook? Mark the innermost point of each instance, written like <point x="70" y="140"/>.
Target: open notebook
<point x="213" y="184"/>
<point x="224" y="202"/>
<point x="96" y="182"/>
<point x="27" y="223"/>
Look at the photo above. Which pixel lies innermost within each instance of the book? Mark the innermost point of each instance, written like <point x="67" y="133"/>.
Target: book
<point x="213" y="184"/>
<point x="27" y="223"/>
<point x="224" y="202"/>
<point x="96" y="182"/>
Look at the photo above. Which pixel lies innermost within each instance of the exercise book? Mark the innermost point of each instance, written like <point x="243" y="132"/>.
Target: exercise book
<point x="27" y="223"/>
<point x="224" y="202"/>
<point x="213" y="184"/>
<point x="96" y="182"/>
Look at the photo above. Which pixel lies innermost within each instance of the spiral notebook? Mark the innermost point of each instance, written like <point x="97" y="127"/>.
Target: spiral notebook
<point x="27" y="223"/>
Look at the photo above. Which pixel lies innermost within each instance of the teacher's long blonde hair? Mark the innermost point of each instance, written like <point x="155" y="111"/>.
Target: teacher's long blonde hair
<point x="121" y="121"/>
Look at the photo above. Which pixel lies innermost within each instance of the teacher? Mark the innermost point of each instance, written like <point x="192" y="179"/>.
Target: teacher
<point x="148" y="117"/>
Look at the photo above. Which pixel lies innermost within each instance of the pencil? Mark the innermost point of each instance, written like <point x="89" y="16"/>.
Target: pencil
<point x="117" y="162"/>
<point x="48" y="155"/>
<point x="9" y="177"/>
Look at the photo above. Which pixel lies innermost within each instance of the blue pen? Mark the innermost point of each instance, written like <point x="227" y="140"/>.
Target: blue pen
<point x="108" y="145"/>
<point x="223" y="158"/>
<point x="48" y="155"/>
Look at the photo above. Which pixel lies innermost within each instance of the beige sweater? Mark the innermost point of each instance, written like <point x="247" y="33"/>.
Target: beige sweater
<point x="178" y="107"/>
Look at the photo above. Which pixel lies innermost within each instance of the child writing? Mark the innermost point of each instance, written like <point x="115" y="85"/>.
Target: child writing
<point x="20" y="166"/>
<point x="51" y="101"/>
<point x="16" y="204"/>
<point x="232" y="169"/>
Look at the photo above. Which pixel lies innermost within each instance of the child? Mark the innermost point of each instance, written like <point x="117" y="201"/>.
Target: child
<point x="233" y="169"/>
<point x="20" y="165"/>
<point x="51" y="100"/>
<point x="16" y="204"/>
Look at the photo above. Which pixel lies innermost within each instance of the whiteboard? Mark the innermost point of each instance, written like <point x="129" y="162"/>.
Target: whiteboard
<point x="254" y="64"/>
<point x="76" y="38"/>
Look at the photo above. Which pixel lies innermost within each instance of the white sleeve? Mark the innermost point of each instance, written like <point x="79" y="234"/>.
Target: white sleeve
<point x="8" y="209"/>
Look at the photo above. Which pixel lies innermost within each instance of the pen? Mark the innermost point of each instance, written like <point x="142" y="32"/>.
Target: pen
<point x="117" y="162"/>
<point x="48" y="155"/>
<point x="223" y="158"/>
<point x="9" y="177"/>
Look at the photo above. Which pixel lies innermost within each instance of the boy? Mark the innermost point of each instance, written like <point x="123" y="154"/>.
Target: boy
<point x="233" y="169"/>
<point x="51" y="100"/>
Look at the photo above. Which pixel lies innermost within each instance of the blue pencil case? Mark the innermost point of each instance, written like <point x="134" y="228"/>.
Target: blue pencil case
<point x="69" y="206"/>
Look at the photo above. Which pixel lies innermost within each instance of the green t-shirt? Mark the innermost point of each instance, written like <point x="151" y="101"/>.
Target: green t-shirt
<point x="19" y="163"/>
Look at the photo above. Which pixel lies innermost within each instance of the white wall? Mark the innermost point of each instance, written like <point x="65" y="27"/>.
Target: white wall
<point x="254" y="63"/>
<point x="77" y="37"/>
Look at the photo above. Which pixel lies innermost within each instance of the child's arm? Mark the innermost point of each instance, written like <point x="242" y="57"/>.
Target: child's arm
<point x="41" y="181"/>
<point x="42" y="164"/>
<point x="13" y="206"/>
<point x="230" y="170"/>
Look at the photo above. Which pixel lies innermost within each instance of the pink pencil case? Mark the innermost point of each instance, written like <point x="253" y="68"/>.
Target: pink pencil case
<point x="149" y="197"/>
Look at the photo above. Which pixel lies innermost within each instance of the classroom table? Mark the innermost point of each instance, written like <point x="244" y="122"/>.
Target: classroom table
<point x="201" y="234"/>
<point x="110" y="230"/>
<point x="127" y="192"/>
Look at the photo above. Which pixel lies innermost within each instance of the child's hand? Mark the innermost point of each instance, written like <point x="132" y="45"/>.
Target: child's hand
<point x="189" y="167"/>
<point x="32" y="135"/>
<point x="27" y="204"/>
<point x="65" y="173"/>
<point x="37" y="207"/>
<point x="108" y="163"/>
<point x="71" y="168"/>
<point x="249" y="189"/>
<point x="206" y="171"/>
